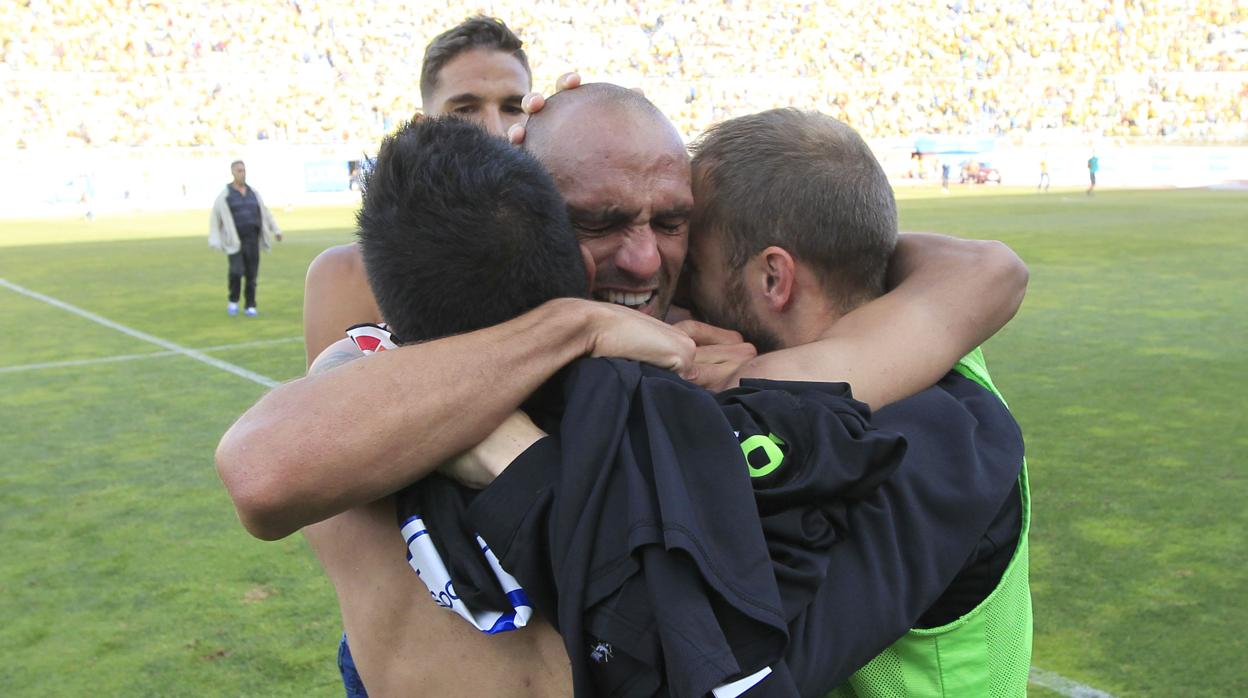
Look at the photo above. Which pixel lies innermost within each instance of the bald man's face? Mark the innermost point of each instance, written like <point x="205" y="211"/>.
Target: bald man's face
<point x="626" y="182"/>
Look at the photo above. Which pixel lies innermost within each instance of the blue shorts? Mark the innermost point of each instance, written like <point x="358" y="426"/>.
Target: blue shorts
<point x="351" y="680"/>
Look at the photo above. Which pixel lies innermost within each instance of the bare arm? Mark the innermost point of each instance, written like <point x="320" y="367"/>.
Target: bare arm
<point x="336" y="296"/>
<point x="950" y="295"/>
<point x="322" y="444"/>
<point x="480" y="465"/>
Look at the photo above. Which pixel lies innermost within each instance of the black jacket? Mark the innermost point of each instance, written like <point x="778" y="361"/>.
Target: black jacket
<point x="667" y="564"/>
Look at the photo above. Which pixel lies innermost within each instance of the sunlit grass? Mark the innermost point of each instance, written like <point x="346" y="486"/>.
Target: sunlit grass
<point x="125" y="571"/>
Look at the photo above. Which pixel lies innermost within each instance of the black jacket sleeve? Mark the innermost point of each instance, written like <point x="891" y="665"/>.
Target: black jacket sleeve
<point x="812" y="453"/>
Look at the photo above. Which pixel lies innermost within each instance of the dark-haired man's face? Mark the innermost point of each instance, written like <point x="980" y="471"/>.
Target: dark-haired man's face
<point x="629" y="200"/>
<point x="481" y="85"/>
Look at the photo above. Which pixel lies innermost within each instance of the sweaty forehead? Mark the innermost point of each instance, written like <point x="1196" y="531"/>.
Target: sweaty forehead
<point x="618" y="162"/>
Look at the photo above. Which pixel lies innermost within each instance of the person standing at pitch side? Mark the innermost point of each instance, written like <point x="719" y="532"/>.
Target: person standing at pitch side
<point x="241" y="225"/>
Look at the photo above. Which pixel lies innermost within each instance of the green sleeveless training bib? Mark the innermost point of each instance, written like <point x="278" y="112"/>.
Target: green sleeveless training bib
<point x="985" y="653"/>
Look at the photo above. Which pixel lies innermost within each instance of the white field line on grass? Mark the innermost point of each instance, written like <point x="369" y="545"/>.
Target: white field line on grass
<point x="1039" y="677"/>
<point x="1064" y="686"/>
<point x="163" y="343"/>
<point x="19" y="368"/>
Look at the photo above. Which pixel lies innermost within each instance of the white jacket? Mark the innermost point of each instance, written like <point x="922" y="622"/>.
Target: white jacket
<point x="222" y="235"/>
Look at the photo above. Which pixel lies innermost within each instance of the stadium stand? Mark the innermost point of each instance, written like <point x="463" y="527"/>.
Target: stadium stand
<point x="92" y="73"/>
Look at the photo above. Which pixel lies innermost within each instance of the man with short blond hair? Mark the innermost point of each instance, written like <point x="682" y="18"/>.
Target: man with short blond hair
<point x="797" y="220"/>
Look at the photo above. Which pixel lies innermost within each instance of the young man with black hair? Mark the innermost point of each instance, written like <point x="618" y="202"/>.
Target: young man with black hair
<point x="459" y="231"/>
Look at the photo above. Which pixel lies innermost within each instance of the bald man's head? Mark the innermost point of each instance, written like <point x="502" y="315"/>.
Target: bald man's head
<point x="624" y="171"/>
<point x="594" y="105"/>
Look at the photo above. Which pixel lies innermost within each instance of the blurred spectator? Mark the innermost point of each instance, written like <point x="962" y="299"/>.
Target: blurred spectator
<point x="241" y="225"/>
<point x="167" y="74"/>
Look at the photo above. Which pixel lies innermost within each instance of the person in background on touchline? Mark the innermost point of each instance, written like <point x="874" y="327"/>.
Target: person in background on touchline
<point x="241" y="225"/>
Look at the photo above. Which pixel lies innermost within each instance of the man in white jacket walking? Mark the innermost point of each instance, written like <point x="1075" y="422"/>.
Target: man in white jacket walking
<point x="241" y="225"/>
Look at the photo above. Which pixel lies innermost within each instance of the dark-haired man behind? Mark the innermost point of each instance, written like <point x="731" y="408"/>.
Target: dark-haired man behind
<point x="442" y="266"/>
<point x="459" y="231"/>
<point x="477" y="70"/>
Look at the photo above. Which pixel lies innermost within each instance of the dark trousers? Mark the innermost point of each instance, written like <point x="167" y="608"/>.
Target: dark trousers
<point x="245" y="264"/>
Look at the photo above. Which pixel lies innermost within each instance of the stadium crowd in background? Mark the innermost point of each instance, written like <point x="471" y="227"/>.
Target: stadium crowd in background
<point x="109" y="72"/>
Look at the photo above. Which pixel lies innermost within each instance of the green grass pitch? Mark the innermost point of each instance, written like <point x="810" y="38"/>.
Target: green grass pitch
<point x="125" y="572"/>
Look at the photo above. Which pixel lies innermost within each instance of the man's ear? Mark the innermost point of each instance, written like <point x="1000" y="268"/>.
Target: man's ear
<point x="590" y="268"/>
<point x="776" y="272"/>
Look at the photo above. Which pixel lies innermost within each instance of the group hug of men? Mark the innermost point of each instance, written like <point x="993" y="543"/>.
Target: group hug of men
<point x="614" y="420"/>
